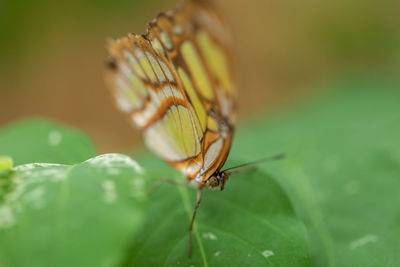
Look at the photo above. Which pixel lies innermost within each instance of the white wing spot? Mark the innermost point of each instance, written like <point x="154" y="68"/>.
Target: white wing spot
<point x="157" y="46"/>
<point x="110" y="195"/>
<point x="54" y="138"/>
<point x="166" y="40"/>
<point x="362" y="241"/>
<point x="177" y="29"/>
<point x="267" y="253"/>
<point x="210" y="236"/>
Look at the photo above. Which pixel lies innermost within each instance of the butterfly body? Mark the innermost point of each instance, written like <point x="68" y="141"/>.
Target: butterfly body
<point x="177" y="84"/>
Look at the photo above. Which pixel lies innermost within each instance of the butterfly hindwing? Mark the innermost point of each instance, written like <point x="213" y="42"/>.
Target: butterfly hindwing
<point x="177" y="84"/>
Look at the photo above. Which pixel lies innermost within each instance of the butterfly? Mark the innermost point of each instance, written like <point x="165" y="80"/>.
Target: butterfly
<point x="177" y="83"/>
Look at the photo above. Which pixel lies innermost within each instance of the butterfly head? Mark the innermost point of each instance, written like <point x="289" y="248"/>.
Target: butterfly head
<point x="218" y="179"/>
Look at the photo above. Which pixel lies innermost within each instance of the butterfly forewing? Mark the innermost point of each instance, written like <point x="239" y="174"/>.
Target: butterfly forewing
<point x="177" y="84"/>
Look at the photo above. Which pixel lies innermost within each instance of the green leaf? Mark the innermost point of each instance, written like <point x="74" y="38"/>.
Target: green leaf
<point x="37" y="140"/>
<point x="250" y="223"/>
<point x="341" y="171"/>
<point x="84" y="214"/>
<point x="71" y="215"/>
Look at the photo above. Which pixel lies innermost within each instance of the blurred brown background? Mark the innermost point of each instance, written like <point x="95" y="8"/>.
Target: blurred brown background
<point x="53" y="52"/>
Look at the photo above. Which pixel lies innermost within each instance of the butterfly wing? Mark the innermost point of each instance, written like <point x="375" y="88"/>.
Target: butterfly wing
<point x="177" y="83"/>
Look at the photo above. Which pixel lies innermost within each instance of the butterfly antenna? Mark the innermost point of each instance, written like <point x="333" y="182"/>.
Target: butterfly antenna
<point x="276" y="157"/>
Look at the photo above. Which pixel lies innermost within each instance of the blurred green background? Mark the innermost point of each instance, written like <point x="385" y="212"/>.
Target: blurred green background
<point x="53" y="52"/>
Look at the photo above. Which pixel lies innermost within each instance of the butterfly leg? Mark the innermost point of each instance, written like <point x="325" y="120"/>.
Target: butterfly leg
<point x="192" y="222"/>
<point x="163" y="180"/>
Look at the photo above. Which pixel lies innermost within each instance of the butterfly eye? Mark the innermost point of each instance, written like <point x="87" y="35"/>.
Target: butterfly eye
<point x="213" y="182"/>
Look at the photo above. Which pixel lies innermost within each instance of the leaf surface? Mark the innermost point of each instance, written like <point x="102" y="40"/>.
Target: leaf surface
<point x="250" y="223"/>
<point x="71" y="215"/>
<point x="342" y="170"/>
